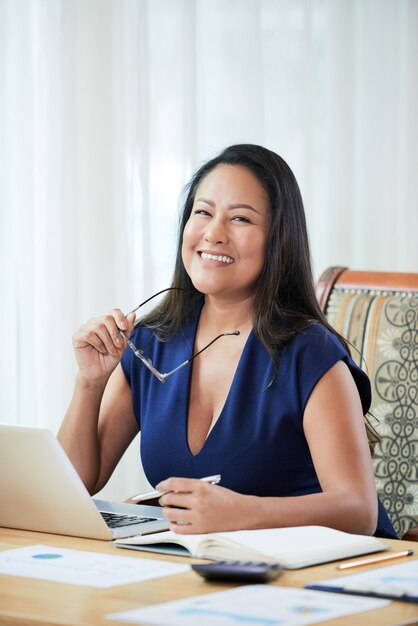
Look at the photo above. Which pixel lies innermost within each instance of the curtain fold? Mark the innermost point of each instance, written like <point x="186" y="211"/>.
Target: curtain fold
<point x="108" y="106"/>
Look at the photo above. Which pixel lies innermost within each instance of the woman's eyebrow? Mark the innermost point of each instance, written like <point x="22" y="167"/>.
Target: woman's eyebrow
<point x="238" y="205"/>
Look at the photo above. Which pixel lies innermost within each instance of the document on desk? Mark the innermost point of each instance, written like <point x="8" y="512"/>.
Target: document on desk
<point x="76" y="567"/>
<point x="397" y="582"/>
<point x="253" y="605"/>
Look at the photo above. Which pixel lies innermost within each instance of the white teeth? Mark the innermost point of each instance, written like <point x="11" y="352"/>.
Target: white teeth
<point x="214" y="257"/>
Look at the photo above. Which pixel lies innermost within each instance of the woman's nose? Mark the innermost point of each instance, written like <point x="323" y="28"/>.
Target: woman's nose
<point x="216" y="232"/>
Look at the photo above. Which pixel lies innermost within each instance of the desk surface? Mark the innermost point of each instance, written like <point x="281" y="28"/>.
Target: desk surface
<point x="28" y="601"/>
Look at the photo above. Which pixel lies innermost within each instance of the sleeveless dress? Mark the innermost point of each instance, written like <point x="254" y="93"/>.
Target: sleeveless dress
<point x="257" y="444"/>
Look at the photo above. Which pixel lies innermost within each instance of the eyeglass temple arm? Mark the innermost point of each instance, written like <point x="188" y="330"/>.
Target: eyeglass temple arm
<point x="163" y="377"/>
<point x="154" y="296"/>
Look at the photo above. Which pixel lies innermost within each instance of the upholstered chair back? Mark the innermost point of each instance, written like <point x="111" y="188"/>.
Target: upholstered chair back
<point x="378" y="313"/>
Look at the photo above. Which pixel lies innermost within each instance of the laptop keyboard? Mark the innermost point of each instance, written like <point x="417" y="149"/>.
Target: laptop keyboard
<point x="118" y="520"/>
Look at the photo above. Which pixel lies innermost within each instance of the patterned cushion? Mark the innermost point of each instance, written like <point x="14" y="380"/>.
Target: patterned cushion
<point x="382" y="327"/>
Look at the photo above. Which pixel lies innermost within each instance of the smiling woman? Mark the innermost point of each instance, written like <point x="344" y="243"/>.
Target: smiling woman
<point x="276" y="405"/>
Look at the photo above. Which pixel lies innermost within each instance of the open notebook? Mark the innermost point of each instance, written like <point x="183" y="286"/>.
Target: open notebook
<point x="293" y="547"/>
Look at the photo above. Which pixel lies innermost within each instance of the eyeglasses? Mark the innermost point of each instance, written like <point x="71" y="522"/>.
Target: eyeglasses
<point x="147" y="361"/>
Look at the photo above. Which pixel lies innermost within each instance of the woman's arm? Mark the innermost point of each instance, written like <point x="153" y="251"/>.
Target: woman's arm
<point x="99" y="423"/>
<point x="335" y="431"/>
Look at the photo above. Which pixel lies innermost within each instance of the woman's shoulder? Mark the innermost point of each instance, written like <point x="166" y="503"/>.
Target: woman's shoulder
<point x="317" y="336"/>
<point x="316" y="345"/>
<point x="315" y="349"/>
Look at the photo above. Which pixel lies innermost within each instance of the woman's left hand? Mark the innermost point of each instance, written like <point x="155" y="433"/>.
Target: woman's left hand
<point x="194" y="506"/>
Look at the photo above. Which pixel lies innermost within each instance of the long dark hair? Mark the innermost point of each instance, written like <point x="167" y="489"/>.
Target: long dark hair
<point x="285" y="300"/>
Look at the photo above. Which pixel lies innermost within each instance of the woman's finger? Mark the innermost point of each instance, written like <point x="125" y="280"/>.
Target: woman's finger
<point x="109" y="334"/>
<point x="183" y="485"/>
<point x="177" y="516"/>
<point x="120" y="319"/>
<point x="177" y="499"/>
<point x="101" y="333"/>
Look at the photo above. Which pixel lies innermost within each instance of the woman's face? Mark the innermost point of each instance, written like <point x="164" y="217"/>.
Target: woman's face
<point x="225" y="237"/>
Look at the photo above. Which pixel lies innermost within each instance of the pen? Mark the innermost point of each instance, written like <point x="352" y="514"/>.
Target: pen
<point x="376" y="559"/>
<point x="213" y="480"/>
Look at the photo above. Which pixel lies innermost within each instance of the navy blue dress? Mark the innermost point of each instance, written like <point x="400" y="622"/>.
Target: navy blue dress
<point x="257" y="443"/>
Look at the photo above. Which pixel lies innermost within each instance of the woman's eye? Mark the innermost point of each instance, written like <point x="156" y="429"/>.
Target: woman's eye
<point x="200" y="212"/>
<point x="241" y="218"/>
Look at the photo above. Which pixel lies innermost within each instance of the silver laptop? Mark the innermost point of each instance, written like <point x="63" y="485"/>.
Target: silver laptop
<point x="40" y="490"/>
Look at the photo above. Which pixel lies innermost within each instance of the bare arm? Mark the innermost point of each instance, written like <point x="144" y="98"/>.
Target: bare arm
<point x="335" y="431"/>
<point x="99" y="423"/>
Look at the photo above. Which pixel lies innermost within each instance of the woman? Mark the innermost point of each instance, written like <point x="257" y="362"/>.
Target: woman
<point x="275" y="405"/>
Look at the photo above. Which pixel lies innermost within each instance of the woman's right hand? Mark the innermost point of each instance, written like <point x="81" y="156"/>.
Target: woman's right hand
<point x="99" y="346"/>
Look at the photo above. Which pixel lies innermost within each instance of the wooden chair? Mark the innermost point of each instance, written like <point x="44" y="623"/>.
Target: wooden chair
<point x="377" y="312"/>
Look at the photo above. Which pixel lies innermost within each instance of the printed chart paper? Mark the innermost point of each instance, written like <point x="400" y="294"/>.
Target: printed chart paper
<point x="252" y="605"/>
<point x="76" y="567"/>
<point x="401" y="578"/>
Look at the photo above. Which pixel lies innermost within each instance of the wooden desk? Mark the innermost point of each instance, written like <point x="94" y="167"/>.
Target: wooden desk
<point x="28" y="601"/>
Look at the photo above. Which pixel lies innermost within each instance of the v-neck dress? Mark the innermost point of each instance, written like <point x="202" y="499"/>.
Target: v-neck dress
<point x="257" y="444"/>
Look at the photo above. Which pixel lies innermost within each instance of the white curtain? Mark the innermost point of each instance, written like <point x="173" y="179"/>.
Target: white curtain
<point x="106" y="108"/>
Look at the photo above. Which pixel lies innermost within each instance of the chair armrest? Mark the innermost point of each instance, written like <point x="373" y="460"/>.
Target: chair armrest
<point x="411" y="534"/>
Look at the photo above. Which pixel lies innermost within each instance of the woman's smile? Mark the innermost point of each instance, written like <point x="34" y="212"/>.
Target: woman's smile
<point x="213" y="256"/>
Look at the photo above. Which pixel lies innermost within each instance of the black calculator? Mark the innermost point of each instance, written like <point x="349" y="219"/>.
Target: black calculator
<point x="238" y="571"/>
